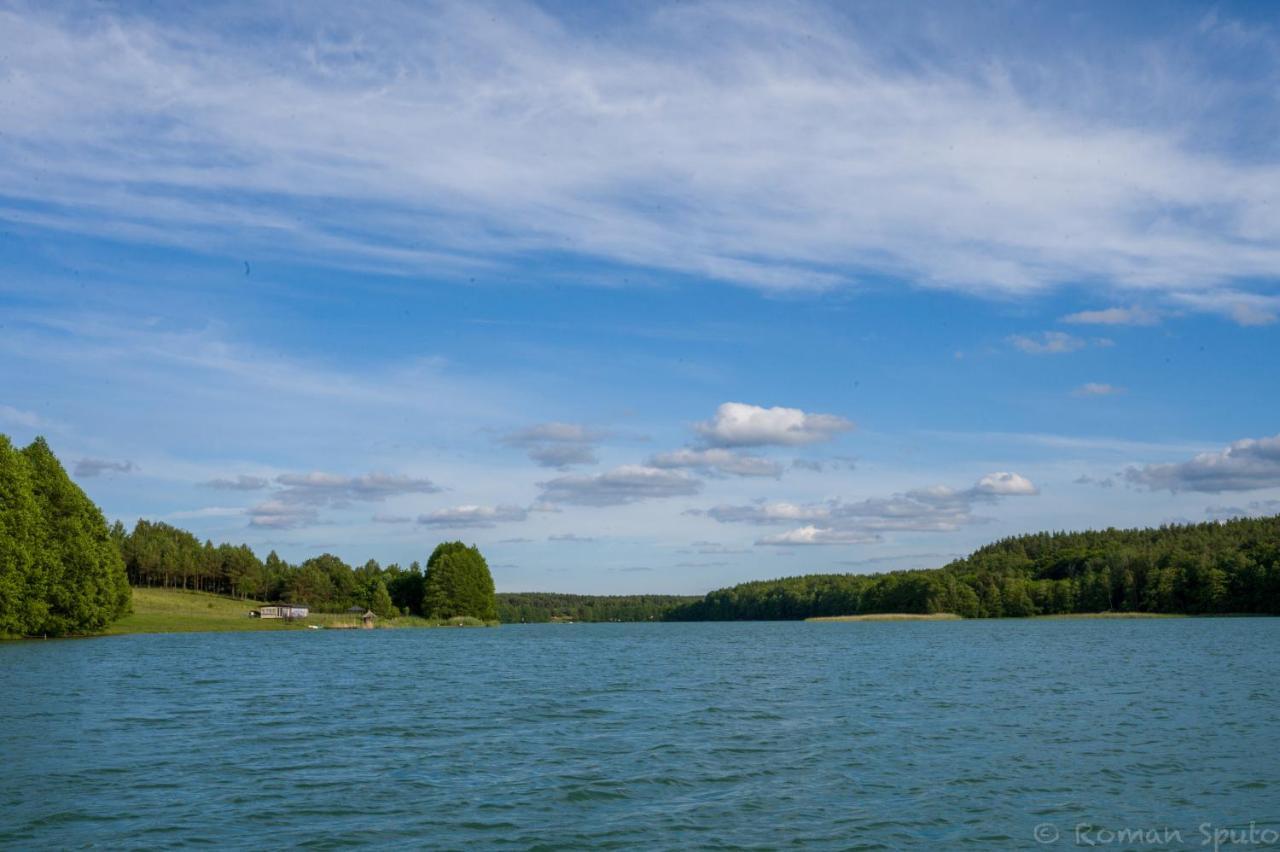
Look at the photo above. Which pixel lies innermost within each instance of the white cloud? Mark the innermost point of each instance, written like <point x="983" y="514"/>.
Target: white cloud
<point x="620" y="486"/>
<point x="1005" y="484"/>
<point x="1245" y="465"/>
<point x="1097" y="389"/>
<point x="241" y="482"/>
<point x="460" y="517"/>
<point x="815" y="535"/>
<point x="935" y="509"/>
<point x="467" y="132"/>
<point x="717" y="460"/>
<point x="1048" y="343"/>
<point x="738" y="424"/>
<point x="1114" y="316"/>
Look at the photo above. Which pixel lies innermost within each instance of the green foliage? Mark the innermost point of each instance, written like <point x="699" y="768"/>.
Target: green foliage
<point x="458" y="583"/>
<point x="1231" y="567"/>
<point x="405" y="588"/>
<point x="60" y="567"/>
<point x="538" y="607"/>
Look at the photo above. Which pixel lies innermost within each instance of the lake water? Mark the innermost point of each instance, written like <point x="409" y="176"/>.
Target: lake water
<point x="748" y="735"/>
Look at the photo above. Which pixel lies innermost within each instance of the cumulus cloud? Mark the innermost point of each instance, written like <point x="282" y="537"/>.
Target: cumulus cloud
<point x="1097" y="389"/>
<point x="460" y="517"/>
<point x="935" y="509"/>
<point x="817" y="535"/>
<point x="97" y="467"/>
<point x="1114" y="316"/>
<point x="738" y="424"/>
<point x="620" y="486"/>
<point x="241" y="482"/>
<point x="571" y="538"/>
<point x="717" y="460"/>
<point x="558" y="445"/>
<point x="1245" y="465"/>
<point x="1004" y="484"/>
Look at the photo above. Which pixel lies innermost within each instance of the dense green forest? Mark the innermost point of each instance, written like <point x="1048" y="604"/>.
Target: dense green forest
<point x="537" y="607"/>
<point x="60" y="572"/>
<point x="157" y="554"/>
<point x="1230" y="567"/>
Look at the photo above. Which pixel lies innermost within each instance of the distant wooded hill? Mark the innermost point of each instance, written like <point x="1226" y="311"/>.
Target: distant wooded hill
<point x="1229" y="567"/>
<point x="534" y="607"/>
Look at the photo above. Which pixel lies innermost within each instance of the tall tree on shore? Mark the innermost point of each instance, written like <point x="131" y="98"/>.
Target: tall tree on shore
<point x="75" y="575"/>
<point x="20" y="601"/>
<point x="458" y="583"/>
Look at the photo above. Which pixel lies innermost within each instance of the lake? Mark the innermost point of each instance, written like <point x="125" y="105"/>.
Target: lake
<point x="728" y="735"/>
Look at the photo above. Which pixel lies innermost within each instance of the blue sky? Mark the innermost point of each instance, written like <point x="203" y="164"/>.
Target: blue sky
<point x="645" y="298"/>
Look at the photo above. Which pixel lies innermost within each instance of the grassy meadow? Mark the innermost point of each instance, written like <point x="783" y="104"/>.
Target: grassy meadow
<point x="179" y="611"/>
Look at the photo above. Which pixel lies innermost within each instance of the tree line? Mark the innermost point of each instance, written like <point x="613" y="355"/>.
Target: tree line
<point x="456" y="582"/>
<point x="1208" y="568"/>
<point x="541" y="607"/>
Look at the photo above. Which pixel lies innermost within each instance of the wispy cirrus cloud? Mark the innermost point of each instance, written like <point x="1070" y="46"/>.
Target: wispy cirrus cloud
<point x="1054" y="343"/>
<point x="1133" y="315"/>
<point x="472" y="133"/>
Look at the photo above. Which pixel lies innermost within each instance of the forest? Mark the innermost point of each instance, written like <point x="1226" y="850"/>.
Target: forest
<point x="456" y="581"/>
<point x="539" y="607"/>
<point x="1198" y="569"/>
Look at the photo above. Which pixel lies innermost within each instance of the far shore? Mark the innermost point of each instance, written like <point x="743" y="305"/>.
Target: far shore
<point x="951" y="616"/>
<point x="891" y="616"/>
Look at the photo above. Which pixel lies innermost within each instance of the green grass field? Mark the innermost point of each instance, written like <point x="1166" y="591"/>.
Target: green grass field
<point x="176" y="611"/>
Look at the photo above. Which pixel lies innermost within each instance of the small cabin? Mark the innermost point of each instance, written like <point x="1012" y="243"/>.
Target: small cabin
<point x="281" y="611"/>
<point x="367" y="619"/>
